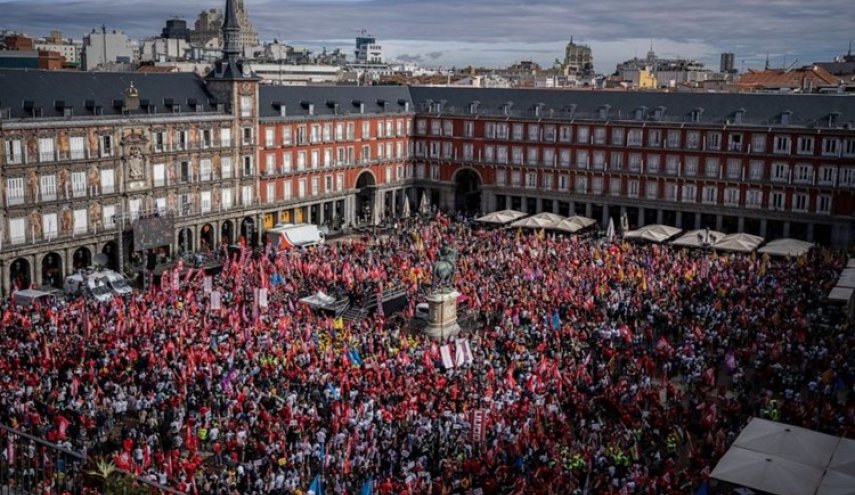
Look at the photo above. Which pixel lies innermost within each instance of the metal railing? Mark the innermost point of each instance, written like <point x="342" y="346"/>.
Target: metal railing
<point x="32" y="465"/>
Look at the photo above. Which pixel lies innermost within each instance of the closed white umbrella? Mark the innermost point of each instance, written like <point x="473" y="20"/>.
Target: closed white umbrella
<point x="424" y="205"/>
<point x="405" y="209"/>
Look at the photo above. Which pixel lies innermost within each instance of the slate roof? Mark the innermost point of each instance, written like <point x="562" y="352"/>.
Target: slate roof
<point x="324" y="98"/>
<point x="22" y="91"/>
<point x="718" y="108"/>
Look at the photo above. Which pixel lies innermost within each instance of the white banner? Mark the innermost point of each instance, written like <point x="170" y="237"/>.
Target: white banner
<point x="175" y="280"/>
<point x="445" y="352"/>
<point x="215" y="300"/>
<point x="208" y="285"/>
<point x="262" y="298"/>
<point x="464" y="353"/>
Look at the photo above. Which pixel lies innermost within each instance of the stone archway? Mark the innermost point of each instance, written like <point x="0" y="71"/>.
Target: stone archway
<point x="467" y="190"/>
<point x="111" y="249"/>
<point x="365" y="192"/>
<point x="19" y="274"/>
<point x="185" y="240"/>
<point x="82" y="258"/>
<point x="206" y="238"/>
<point x="227" y="232"/>
<point x="248" y="231"/>
<point x="52" y="270"/>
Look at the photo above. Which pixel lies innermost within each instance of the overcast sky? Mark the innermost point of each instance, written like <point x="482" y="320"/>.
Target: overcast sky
<point x="494" y="32"/>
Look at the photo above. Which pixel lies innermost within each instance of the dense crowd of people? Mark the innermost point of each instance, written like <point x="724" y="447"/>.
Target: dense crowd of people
<point x="597" y="367"/>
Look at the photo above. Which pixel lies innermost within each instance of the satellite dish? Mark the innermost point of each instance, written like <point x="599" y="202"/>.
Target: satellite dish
<point x="101" y="259"/>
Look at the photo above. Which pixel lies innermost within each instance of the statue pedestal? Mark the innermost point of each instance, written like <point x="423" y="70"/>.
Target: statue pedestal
<point x="442" y="315"/>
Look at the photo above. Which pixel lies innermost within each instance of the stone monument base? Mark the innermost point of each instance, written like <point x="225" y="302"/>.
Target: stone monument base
<point x="442" y="315"/>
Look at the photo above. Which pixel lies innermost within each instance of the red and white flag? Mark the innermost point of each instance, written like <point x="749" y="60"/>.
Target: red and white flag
<point x="445" y="352"/>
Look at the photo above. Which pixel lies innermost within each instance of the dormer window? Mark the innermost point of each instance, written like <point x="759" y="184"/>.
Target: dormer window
<point x="506" y="107"/>
<point x="786" y="117"/>
<point x="834" y="119"/>
<point x="658" y="113"/>
<point x="603" y="112"/>
<point x="738" y="115"/>
<point x="695" y="115"/>
<point x="640" y="113"/>
<point x="473" y="107"/>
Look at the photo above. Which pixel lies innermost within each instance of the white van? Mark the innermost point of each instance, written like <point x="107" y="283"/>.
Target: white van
<point x="117" y="282"/>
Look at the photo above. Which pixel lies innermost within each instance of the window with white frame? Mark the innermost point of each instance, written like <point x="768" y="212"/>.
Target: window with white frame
<point x="516" y="178"/>
<point x="247" y="136"/>
<point x="15" y="191"/>
<point x="582" y="134"/>
<point x="597" y="185"/>
<point x="827" y="175"/>
<point x="600" y="135"/>
<point x="563" y="182"/>
<point x="226" y="199"/>
<point x="781" y="144"/>
<point x="653" y="162"/>
<point x="400" y="172"/>
<point x="49" y="225"/>
<point x="634" y="137"/>
<point x="546" y="180"/>
<point x="654" y="138"/>
<point x="387" y="173"/>
<point x="108" y="181"/>
<point x="581" y="184"/>
<point x="635" y="162"/>
<point x="226" y="137"/>
<point x="565" y="134"/>
<point x="400" y="127"/>
<point x="271" y="192"/>
<point x="532" y="155"/>
<point x="549" y="157"/>
<point x="691" y="166"/>
<point x="328" y="184"/>
<point x="805" y="145"/>
<point x="518" y="132"/>
<point x="780" y="172"/>
<point x="448" y="128"/>
<point x="632" y="188"/>
<point x="531" y="180"/>
<point x="205" y="201"/>
<point x="517" y="155"/>
<point x="109" y="215"/>
<point x="803" y="174"/>
<point x="339" y="182"/>
<point x="106" y="145"/>
<point x="615" y="186"/>
<point x="316" y="186"/>
<point x="246" y="106"/>
<point x="301" y="160"/>
<point x="421" y="127"/>
<point x="17" y="230"/>
<point x="693" y="140"/>
<point x="599" y="162"/>
<point x="672" y="164"/>
<point x="582" y="159"/>
<point x="564" y="158"/>
<point x="77" y="147"/>
<point x="533" y="132"/>
<point x="435" y="127"/>
<point x="849" y="147"/>
<point x="468" y="151"/>
<point x="616" y="160"/>
<point x="673" y="138"/>
<point x="381" y="129"/>
<point x="269" y="137"/>
<point x="711" y="166"/>
<point x="158" y="173"/>
<point x="14" y="151"/>
<point x="618" y="136"/>
<point x="246" y="195"/>
<point x="753" y="198"/>
<point x="47" y="187"/>
<point x="490" y="130"/>
<point x="758" y="143"/>
<point x="301" y="188"/>
<point x="447" y="149"/>
<point x="756" y="170"/>
<point x="500" y="177"/>
<point x="287" y="190"/>
<point x="734" y="142"/>
<point x="830" y="146"/>
<point x="78" y="184"/>
<point x="434" y="172"/>
<point x="651" y="189"/>
<point x="713" y="140"/>
<point x="549" y="133"/>
<point x="823" y="203"/>
<point x="671" y="191"/>
<point x="689" y="193"/>
<point x="731" y="196"/>
<point x="47" y="149"/>
<point x="502" y="154"/>
<point x="269" y="164"/>
<point x="734" y="168"/>
<point x="777" y="200"/>
<point x="847" y="177"/>
<point x="800" y="202"/>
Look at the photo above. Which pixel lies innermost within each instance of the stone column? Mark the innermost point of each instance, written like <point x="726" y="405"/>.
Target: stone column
<point x="605" y="218"/>
<point x="697" y="221"/>
<point x="589" y="210"/>
<point x="641" y="217"/>
<point x="679" y="219"/>
<point x="539" y="204"/>
<point x="810" y="232"/>
<point x="660" y="216"/>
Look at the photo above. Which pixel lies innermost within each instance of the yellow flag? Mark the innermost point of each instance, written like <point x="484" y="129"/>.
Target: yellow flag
<point x="338" y="324"/>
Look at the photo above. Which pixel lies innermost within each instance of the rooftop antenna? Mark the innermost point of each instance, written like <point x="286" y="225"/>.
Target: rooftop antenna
<point x="766" y="67"/>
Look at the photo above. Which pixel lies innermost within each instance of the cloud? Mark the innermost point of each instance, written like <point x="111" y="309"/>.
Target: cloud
<point x="433" y="55"/>
<point x="494" y="32"/>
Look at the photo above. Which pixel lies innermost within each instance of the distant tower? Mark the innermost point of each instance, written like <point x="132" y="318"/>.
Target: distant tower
<point x="727" y="63"/>
<point x="231" y="66"/>
<point x="578" y="59"/>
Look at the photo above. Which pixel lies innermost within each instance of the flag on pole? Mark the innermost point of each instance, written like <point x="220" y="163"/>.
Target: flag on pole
<point x="317" y="487"/>
<point x="445" y="352"/>
<point x="367" y="487"/>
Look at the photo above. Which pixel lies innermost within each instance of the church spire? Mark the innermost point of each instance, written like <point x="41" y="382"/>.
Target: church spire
<point x="231" y="31"/>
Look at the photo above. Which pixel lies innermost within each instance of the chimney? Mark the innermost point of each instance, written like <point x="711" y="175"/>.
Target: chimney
<point x="132" y="98"/>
